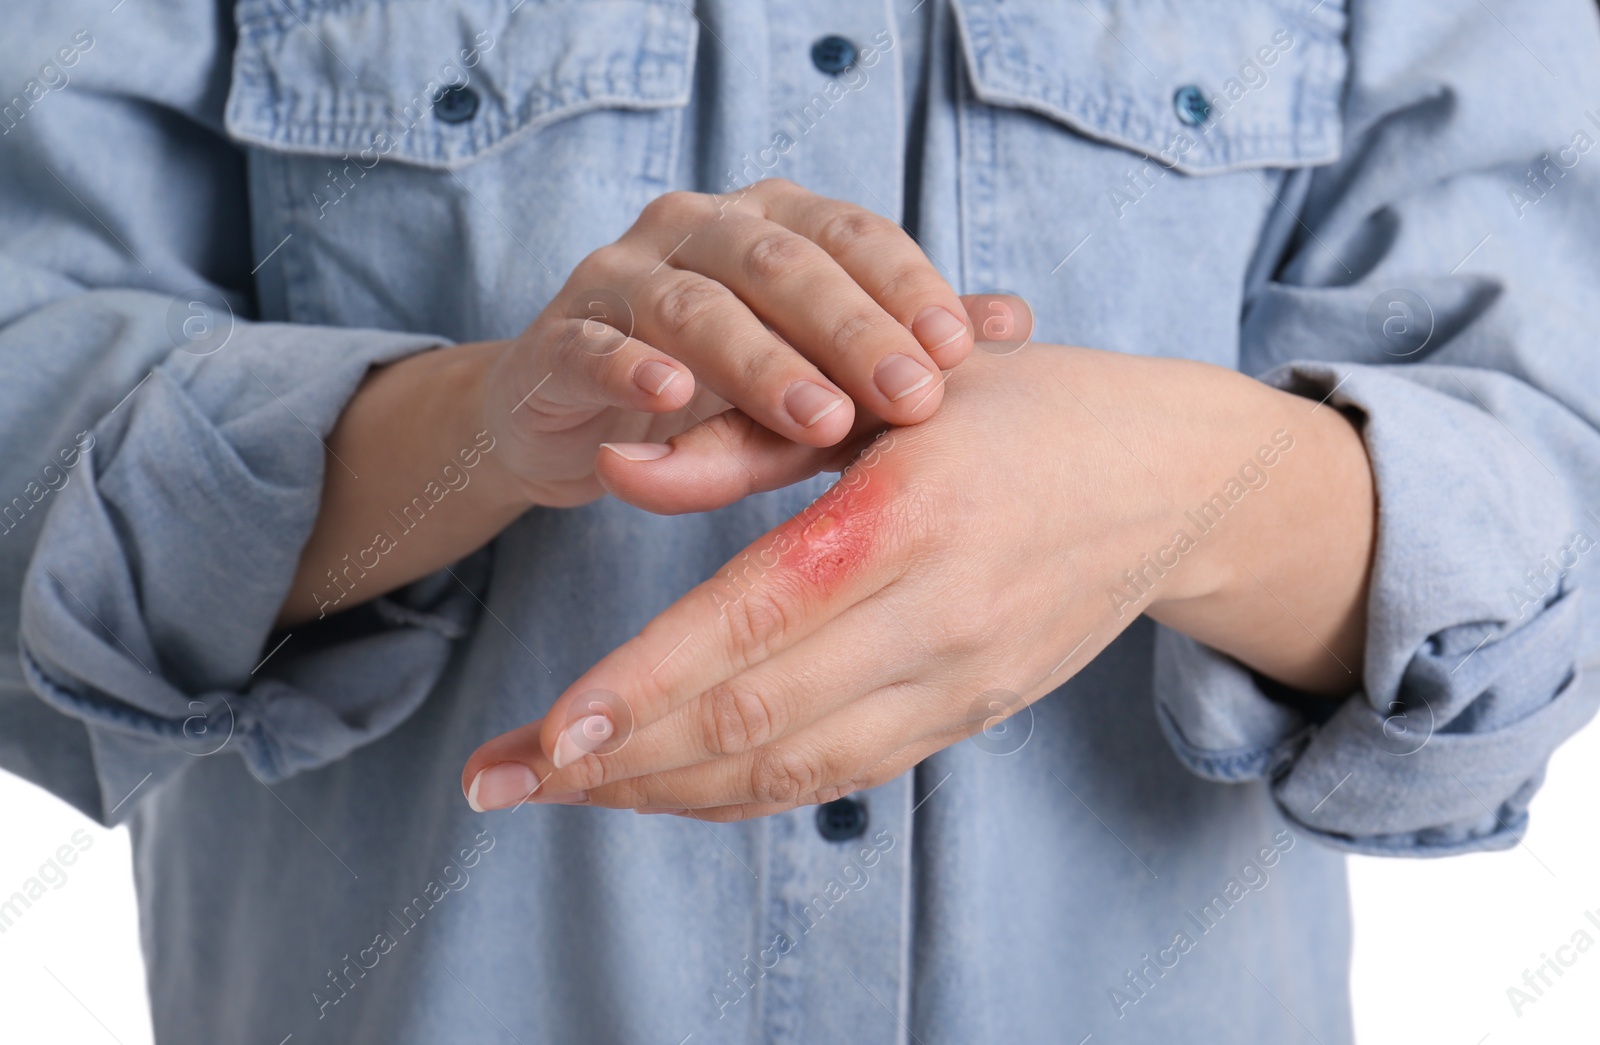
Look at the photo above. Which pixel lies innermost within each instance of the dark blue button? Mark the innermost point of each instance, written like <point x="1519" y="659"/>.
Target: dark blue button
<point x="1191" y="104"/>
<point x="833" y="54"/>
<point x="455" y="104"/>
<point x="842" y="820"/>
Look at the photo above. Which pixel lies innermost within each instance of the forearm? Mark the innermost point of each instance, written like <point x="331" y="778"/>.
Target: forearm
<point x="1285" y="580"/>
<point x="412" y="483"/>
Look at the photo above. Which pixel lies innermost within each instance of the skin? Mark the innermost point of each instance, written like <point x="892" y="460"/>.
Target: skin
<point x="975" y="546"/>
<point x="813" y="319"/>
<point x="978" y="551"/>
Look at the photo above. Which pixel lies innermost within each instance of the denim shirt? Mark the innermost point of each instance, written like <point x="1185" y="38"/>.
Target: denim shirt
<point x="215" y="217"/>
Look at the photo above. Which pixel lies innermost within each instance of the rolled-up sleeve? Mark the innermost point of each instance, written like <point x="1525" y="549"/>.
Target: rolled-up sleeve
<point x="1440" y="285"/>
<point x="157" y="491"/>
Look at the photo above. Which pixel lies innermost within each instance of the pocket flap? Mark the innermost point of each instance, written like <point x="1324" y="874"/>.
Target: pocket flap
<point x="1265" y="78"/>
<point x="337" y="77"/>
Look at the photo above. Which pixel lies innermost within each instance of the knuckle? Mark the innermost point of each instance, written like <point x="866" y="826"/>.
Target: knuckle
<point x="972" y="634"/>
<point x="630" y="793"/>
<point x="685" y="301"/>
<point x="725" y="814"/>
<point x="674" y="208"/>
<point x="755" y="622"/>
<point x="828" y="794"/>
<point x="779" y="776"/>
<point x="774" y="255"/>
<point x="733" y="427"/>
<point x="861" y="329"/>
<point x="587" y="773"/>
<point x="847" y="228"/>
<point x="565" y="340"/>
<point x="909" y="281"/>
<point x="736" y="720"/>
<point x="776" y="187"/>
<point x="584" y="354"/>
<point x="763" y="362"/>
<point x="604" y="263"/>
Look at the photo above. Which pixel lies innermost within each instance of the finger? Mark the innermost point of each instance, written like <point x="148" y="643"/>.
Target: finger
<point x="890" y="768"/>
<point x="587" y="362"/>
<point x="778" y="697"/>
<point x="730" y="458"/>
<point x="833" y="755"/>
<point x="724" y="459"/>
<point x="794" y="286"/>
<point x="845" y="546"/>
<point x="705" y="325"/>
<point x="883" y="259"/>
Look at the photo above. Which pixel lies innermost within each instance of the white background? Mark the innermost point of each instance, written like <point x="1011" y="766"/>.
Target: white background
<point x="1438" y="942"/>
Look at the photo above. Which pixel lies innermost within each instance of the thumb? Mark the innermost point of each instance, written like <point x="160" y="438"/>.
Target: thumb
<point x="723" y="459"/>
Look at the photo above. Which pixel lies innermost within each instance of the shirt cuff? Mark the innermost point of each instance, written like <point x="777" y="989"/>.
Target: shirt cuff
<point x="1471" y="677"/>
<point x="158" y="574"/>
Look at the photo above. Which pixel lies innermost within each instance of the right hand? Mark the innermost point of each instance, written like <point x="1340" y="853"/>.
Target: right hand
<point x="812" y="318"/>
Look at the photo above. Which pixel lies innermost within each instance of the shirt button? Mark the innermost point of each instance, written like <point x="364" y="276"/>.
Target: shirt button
<point x="833" y="54"/>
<point x="1191" y="104"/>
<point x="842" y="820"/>
<point x="455" y="104"/>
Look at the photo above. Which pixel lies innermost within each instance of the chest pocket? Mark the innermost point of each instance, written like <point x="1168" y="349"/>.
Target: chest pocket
<point x="1205" y="87"/>
<point x="436" y="164"/>
<point x="1124" y="161"/>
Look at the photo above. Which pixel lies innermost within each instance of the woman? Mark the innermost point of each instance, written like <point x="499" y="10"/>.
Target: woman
<point x="420" y="416"/>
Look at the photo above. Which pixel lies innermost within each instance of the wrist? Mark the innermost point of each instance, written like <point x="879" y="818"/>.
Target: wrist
<point x="1239" y="448"/>
<point x="1280" y="501"/>
<point x="410" y="447"/>
<point x="478" y="386"/>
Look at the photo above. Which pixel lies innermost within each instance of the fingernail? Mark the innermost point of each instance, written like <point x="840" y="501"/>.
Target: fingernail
<point x="654" y="376"/>
<point x="808" y="402"/>
<point x="935" y="328"/>
<point x="581" y="738"/>
<point x="649" y="810"/>
<point x="500" y="785"/>
<point x="639" y="451"/>
<point x="570" y="798"/>
<point x="898" y="376"/>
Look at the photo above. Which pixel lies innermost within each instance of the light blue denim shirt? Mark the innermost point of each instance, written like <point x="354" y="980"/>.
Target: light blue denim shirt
<point x="214" y="217"/>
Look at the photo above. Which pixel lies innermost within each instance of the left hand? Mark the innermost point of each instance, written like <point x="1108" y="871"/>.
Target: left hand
<point x="1000" y="545"/>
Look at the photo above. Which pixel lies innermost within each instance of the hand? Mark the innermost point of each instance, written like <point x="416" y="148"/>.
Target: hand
<point x="999" y="546"/>
<point x="777" y="301"/>
<point x="797" y="310"/>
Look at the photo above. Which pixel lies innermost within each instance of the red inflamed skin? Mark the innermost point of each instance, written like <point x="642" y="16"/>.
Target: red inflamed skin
<point x="828" y="545"/>
<point x="835" y="553"/>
